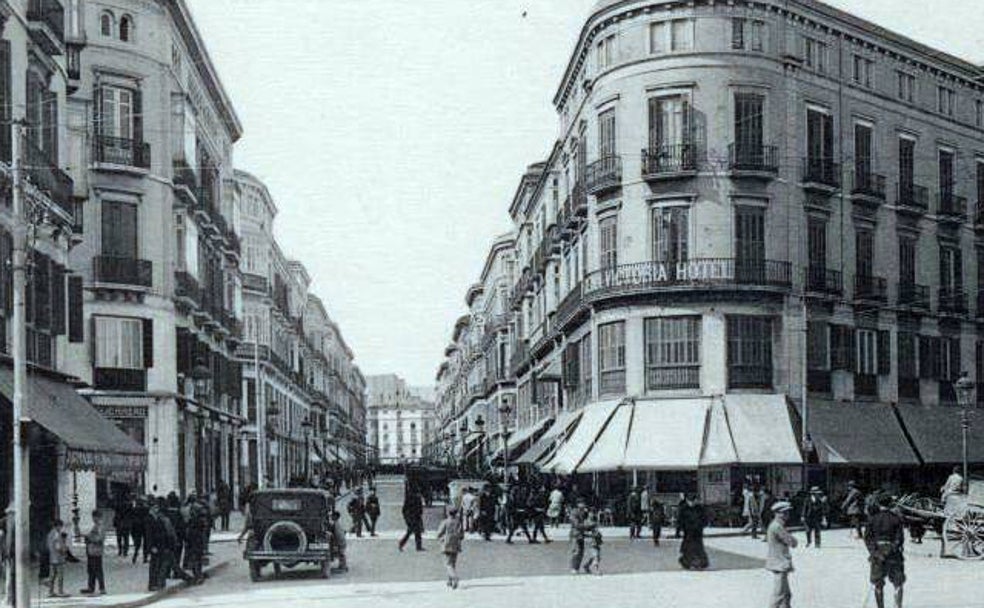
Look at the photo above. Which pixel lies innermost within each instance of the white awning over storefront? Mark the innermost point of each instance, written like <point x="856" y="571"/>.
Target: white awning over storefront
<point x="608" y="451"/>
<point x="666" y="434"/>
<point x="762" y="429"/>
<point x="546" y="443"/>
<point x="570" y="453"/>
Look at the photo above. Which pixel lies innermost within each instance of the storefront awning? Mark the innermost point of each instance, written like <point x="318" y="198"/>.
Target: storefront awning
<point x="91" y="441"/>
<point x="719" y="444"/>
<point x="543" y="446"/>
<point x="667" y="434"/>
<point x="762" y="429"/>
<point x="857" y="433"/>
<point x="572" y="451"/>
<point x="936" y="433"/>
<point x="608" y="451"/>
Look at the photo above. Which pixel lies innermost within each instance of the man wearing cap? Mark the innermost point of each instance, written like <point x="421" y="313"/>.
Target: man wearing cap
<point x="884" y="538"/>
<point x="814" y="512"/>
<point x="779" y="561"/>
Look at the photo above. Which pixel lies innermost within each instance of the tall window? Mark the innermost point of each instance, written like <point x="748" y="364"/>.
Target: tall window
<point x="907" y="355"/>
<point x="611" y="358"/>
<point x="671" y="226"/>
<point x="747" y="34"/>
<point x="863" y="165"/>
<point x="670" y="133"/>
<point x="867" y="353"/>
<point x="946" y="176"/>
<point x="819" y="144"/>
<point x="951" y="270"/>
<point x="126" y="28"/>
<point x="749" y="128"/>
<point x="682" y="35"/>
<point x="119" y="343"/>
<point x="672" y="353"/>
<point x="906" y="86"/>
<point x="606" y="134"/>
<point x="818" y="342"/>
<point x="814" y="54"/>
<point x="864" y="253"/>
<point x="907" y="167"/>
<point x="945" y="100"/>
<point x="608" y="229"/>
<point x="979" y="113"/>
<point x="606" y="52"/>
<point x="863" y="67"/>
<point x="117" y="112"/>
<point x="119" y="229"/>
<point x="816" y="246"/>
<point x="106" y="23"/>
<point x="749" y="351"/>
<point x="979" y="165"/>
<point x="907" y="261"/>
<point x="749" y="244"/>
<point x="587" y="369"/>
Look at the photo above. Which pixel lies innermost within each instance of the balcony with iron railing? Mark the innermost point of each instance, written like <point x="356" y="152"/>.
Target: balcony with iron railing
<point x="820" y="173"/>
<point x="46" y="24"/>
<point x="912" y="197"/>
<point x="579" y="200"/>
<point x="122" y="271"/>
<point x="753" y="160"/>
<point x="255" y="282"/>
<point x="669" y="161"/>
<point x="868" y="185"/>
<point x="47" y="177"/>
<point x="520" y="357"/>
<point x="604" y="175"/>
<point x="121" y="152"/>
<point x="186" y="287"/>
<point x="677" y="377"/>
<point x="870" y="289"/>
<point x="950" y="207"/>
<point x="750" y="376"/>
<point x="696" y="274"/>
<point x="824" y="281"/>
<point x="913" y="295"/>
<point x="569" y="307"/>
<point x="952" y="301"/>
<point x="119" y="379"/>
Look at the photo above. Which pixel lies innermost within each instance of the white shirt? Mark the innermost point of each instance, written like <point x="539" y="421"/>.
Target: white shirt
<point x="468" y="501"/>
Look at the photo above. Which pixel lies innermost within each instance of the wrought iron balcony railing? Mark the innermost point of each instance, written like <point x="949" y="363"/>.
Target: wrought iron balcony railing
<point x="47" y="177"/>
<point x="952" y="300"/>
<point x="868" y="184"/>
<point x="822" y="171"/>
<point x="824" y="280"/>
<point x="951" y="206"/>
<point x="604" y="174"/>
<point x="753" y="158"/>
<point x="122" y="151"/>
<point x="912" y="196"/>
<point x="669" y="159"/>
<point x="123" y="270"/>
<point x="870" y="288"/>
<point x="913" y="295"/>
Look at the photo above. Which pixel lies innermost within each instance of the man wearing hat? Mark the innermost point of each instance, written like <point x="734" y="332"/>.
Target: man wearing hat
<point x="884" y="538"/>
<point x="779" y="561"/>
<point x="579" y="516"/>
<point x="852" y="507"/>
<point x="814" y="512"/>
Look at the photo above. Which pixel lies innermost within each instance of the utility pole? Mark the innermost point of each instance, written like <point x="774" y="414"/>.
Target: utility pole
<point x="260" y="411"/>
<point x="22" y="497"/>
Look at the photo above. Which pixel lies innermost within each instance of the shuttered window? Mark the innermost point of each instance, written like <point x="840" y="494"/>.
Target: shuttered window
<point x="119" y="229"/>
<point x="749" y="128"/>
<point x="611" y="358"/>
<point x="76" y="324"/>
<point x="119" y="343"/>
<point x="608" y="229"/>
<point x="749" y="351"/>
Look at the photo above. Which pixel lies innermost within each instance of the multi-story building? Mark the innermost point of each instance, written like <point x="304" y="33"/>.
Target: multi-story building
<point x="400" y="421"/>
<point x="781" y="283"/>
<point x="150" y="136"/>
<point x="67" y="444"/>
<point x="311" y="396"/>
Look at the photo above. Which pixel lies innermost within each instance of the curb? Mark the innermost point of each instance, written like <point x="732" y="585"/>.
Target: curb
<point x="172" y="590"/>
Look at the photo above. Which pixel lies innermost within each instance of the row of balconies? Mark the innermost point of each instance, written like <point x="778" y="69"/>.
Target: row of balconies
<point x="913" y="296"/>
<point x="187" y="289"/>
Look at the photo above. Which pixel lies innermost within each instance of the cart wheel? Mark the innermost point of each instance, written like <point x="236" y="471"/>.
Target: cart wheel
<point x="326" y="569"/>
<point x="254" y="571"/>
<point x="276" y="570"/>
<point x="963" y="535"/>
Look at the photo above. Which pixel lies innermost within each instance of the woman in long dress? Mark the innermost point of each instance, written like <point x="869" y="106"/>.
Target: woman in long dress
<point x="693" y="520"/>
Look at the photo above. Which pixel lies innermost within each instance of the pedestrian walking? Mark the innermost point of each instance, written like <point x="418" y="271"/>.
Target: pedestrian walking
<point x="486" y="512"/>
<point x="536" y="507"/>
<point x="413" y="516"/>
<point x="594" y="539"/>
<point x="633" y="512"/>
<point x="555" y="511"/>
<point x="885" y="540"/>
<point x="197" y="527"/>
<point x="123" y="523"/>
<point x="338" y="540"/>
<point x="451" y="532"/>
<point x="138" y="531"/>
<point x="657" y="517"/>
<point x="953" y="485"/>
<point x="814" y="514"/>
<point x="693" y="520"/>
<point x="681" y="505"/>
<point x="518" y="515"/>
<point x="752" y="509"/>
<point x="852" y="507"/>
<point x="95" y="540"/>
<point x="468" y="500"/>
<point x="644" y="504"/>
<point x="57" y="545"/>
<point x="580" y="524"/>
<point x="779" y="560"/>
<point x="224" y="505"/>
<point x="768" y="501"/>
<point x="372" y="511"/>
<point x="357" y="512"/>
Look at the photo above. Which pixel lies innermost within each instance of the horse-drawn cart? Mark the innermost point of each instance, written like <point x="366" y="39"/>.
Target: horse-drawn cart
<point x="960" y="520"/>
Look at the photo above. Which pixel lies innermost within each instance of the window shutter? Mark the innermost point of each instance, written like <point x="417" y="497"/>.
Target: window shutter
<point x="148" y="343"/>
<point x="76" y="332"/>
<point x="58" y="300"/>
<point x="49" y="115"/>
<point x="884" y="353"/>
<point x="92" y="341"/>
<point x="137" y="118"/>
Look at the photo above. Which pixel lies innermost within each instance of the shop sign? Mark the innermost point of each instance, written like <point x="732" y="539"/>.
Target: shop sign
<point x="122" y="411"/>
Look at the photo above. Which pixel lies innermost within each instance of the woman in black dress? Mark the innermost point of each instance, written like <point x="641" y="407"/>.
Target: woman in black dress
<point x="693" y="521"/>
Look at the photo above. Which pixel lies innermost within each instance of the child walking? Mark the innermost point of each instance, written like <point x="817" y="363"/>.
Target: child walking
<point x="594" y="557"/>
<point x="451" y="532"/>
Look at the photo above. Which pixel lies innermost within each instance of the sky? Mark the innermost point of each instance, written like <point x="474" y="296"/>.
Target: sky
<point x="392" y="135"/>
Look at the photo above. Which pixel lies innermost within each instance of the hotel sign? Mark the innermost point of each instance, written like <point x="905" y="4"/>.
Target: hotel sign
<point x="709" y="270"/>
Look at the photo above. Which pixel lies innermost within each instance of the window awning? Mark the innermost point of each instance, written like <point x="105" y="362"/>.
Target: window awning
<point x="572" y="451"/>
<point x="667" y="434"/>
<point x="857" y="433"/>
<point x="608" y="451"/>
<point x="544" y="446"/>
<point x="91" y="441"/>
<point x="936" y="433"/>
<point x="762" y="429"/>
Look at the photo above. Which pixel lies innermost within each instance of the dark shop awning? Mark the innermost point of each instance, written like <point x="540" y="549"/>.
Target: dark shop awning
<point x="92" y="442"/>
<point x="857" y="433"/>
<point x="936" y="432"/>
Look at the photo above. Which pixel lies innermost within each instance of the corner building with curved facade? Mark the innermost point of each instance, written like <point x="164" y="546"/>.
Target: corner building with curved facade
<point x="754" y="249"/>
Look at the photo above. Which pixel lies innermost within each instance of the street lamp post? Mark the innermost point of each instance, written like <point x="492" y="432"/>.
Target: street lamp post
<point x="504" y="411"/>
<point x="463" y="433"/>
<point x="964" y="388"/>
<point x="202" y="376"/>
<point x="306" y="425"/>
<point x="480" y="431"/>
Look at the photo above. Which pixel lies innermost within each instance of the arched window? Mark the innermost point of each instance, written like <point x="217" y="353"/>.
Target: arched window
<point x="106" y="23"/>
<point x="126" y="28"/>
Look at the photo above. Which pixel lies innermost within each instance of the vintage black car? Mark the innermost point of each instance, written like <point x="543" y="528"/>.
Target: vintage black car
<point x="290" y="527"/>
